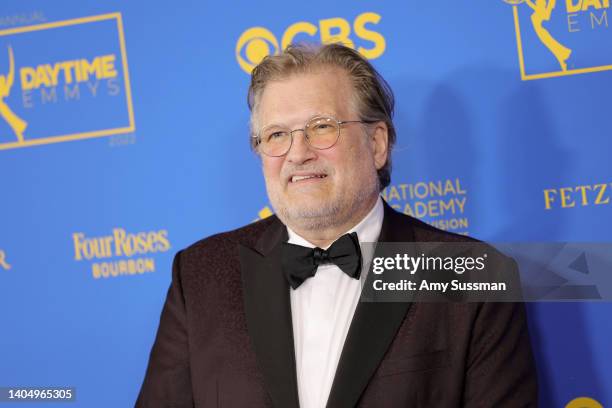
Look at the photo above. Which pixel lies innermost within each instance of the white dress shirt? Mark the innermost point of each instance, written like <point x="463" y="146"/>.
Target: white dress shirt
<point x="322" y="309"/>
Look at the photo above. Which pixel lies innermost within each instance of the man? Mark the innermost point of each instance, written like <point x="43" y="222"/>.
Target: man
<point x="245" y="324"/>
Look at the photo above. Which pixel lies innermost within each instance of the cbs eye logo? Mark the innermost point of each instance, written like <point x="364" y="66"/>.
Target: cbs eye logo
<point x="257" y="42"/>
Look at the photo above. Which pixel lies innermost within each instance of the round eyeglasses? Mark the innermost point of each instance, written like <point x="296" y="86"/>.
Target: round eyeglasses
<point x="321" y="132"/>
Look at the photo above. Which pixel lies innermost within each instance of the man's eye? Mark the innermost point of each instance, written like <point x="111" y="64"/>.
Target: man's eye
<point x="323" y="128"/>
<point x="275" y="135"/>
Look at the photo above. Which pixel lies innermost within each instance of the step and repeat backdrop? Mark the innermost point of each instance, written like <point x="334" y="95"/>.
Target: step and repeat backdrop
<point x="124" y="138"/>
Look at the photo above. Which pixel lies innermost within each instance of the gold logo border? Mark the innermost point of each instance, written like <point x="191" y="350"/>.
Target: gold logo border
<point x="126" y="77"/>
<point x="569" y="72"/>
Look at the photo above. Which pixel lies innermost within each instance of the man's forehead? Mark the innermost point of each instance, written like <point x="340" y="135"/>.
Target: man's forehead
<point x="305" y="95"/>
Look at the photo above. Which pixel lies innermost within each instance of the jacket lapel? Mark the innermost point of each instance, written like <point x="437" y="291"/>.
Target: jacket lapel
<point x="268" y="315"/>
<point x="372" y="329"/>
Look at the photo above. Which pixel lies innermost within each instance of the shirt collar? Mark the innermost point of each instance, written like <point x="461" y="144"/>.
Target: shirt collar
<point x="368" y="229"/>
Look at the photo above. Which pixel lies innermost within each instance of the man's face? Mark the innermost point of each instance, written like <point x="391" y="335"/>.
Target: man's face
<point x="345" y="183"/>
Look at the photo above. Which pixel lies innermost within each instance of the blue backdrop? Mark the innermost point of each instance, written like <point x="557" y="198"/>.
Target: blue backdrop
<point x="123" y="138"/>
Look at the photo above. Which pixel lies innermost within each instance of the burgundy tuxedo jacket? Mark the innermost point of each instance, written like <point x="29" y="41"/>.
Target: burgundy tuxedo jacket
<point x="225" y="336"/>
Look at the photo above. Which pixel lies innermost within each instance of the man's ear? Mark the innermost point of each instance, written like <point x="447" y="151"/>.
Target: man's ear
<point x="380" y="143"/>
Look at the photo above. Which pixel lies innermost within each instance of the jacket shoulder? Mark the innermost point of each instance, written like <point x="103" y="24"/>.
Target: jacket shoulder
<point x="422" y="231"/>
<point x="426" y="232"/>
<point x="247" y="235"/>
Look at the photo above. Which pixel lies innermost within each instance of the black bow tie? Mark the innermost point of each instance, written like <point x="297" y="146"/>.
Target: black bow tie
<point x="300" y="263"/>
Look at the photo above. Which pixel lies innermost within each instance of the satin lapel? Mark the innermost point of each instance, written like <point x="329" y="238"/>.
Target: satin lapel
<point x="268" y="314"/>
<point x="372" y="329"/>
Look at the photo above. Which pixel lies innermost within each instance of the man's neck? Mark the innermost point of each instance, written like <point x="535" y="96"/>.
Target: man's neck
<point x="323" y="238"/>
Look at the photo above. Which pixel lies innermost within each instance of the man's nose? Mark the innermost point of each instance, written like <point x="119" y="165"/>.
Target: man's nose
<point x="300" y="151"/>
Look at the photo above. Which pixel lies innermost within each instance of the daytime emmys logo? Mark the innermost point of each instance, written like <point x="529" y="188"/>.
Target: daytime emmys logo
<point x="556" y="37"/>
<point x="83" y="69"/>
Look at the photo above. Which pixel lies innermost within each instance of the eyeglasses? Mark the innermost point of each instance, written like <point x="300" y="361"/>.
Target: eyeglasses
<point x="321" y="132"/>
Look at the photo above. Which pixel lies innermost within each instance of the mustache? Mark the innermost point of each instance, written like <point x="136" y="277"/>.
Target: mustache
<point x="289" y="171"/>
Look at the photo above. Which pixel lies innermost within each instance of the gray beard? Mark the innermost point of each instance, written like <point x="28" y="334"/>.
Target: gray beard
<point x="330" y="215"/>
